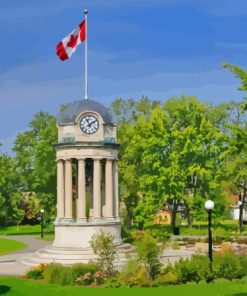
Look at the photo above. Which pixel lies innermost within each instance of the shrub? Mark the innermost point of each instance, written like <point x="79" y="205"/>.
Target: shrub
<point x="58" y="274"/>
<point x="102" y="245"/>
<point x="80" y="269"/>
<point x="67" y="275"/>
<point x="221" y="281"/>
<point x="85" y="279"/>
<point x="159" y="234"/>
<point x="37" y="273"/>
<point x="194" y="270"/>
<point x="228" y="266"/>
<point x="148" y="253"/>
<point x="99" y="277"/>
<point x="170" y="278"/>
<point x="141" y="278"/>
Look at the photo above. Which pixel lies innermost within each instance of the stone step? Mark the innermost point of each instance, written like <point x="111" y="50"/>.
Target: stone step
<point x="70" y="256"/>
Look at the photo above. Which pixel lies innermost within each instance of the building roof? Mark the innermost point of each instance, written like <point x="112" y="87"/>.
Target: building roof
<point x="69" y="115"/>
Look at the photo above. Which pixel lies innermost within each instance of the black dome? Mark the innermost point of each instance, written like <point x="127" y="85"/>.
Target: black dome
<point x="74" y="109"/>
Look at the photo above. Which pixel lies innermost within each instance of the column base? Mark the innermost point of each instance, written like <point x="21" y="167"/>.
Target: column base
<point x="81" y="221"/>
<point x="109" y="218"/>
<point x="64" y="221"/>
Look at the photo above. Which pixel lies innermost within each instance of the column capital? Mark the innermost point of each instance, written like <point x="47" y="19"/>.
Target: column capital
<point x="59" y="160"/>
<point x="68" y="160"/>
<point x="81" y="159"/>
<point x="97" y="159"/>
<point x="111" y="159"/>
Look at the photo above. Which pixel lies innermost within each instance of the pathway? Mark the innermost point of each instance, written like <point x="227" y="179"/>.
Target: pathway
<point x="11" y="264"/>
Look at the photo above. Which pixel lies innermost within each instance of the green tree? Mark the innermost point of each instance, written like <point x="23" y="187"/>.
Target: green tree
<point x="237" y="169"/>
<point x="170" y="153"/>
<point x="11" y="201"/>
<point x="35" y="156"/>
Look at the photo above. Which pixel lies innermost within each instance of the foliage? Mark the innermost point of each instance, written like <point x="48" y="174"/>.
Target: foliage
<point x="169" y="278"/>
<point x="37" y="273"/>
<point x="229" y="266"/>
<point x="242" y="75"/>
<point x="35" y="157"/>
<point x="148" y="252"/>
<point x="102" y="245"/>
<point x="67" y="275"/>
<point x="11" y="201"/>
<point x="141" y="278"/>
<point x="194" y="270"/>
<point x="172" y="153"/>
<point x="85" y="279"/>
<point x="99" y="277"/>
<point x="159" y="233"/>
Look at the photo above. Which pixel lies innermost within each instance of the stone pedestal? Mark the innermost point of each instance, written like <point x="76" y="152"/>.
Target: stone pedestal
<point x="79" y="235"/>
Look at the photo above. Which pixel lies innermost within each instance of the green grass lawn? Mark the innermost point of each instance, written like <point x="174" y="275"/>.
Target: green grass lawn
<point x="9" y="246"/>
<point x="25" y="230"/>
<point x="19" y="287"/>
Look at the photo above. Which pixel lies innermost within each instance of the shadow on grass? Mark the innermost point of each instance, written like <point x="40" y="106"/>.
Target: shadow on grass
<point x="4" y="289"/>
<point x="235" y="294"/>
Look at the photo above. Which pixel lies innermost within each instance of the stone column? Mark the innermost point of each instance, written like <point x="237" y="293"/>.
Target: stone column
<point x="60" y="189"/>
<point x="116" y="189"/>
<point x="68" y="189"/>
<point x="96" y="190"/>
<point x="108" y="189"/>
<point x="81" y="202"/>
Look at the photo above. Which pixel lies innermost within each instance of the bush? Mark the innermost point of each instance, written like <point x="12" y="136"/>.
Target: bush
<point x="169" y="278"/>
<point x="194" y="270"/>
<point x="159" y="234"/>
<point x="37" y="273"/>
<point x="229" y="266"/>
<point x="80" y="269"/>
<point x="117" y="283"/>
<point x="148" y="253"/>
<point x="85" y="279"/>
<point x="141" y="278"/>
<point x="67" y="275"/>
<point x="102" y="245"/>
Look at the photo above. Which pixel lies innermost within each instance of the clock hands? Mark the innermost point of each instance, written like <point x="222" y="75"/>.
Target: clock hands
<point x="92" y="122"/>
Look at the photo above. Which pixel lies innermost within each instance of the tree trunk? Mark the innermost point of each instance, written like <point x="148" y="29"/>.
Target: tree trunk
<point x="189" y="217"/>
<point x="128" y="221"/>
<point x="189" y="220"/>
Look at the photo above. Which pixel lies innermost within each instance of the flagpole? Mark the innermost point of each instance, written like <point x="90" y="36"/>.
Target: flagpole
<point x="86" y="82"/>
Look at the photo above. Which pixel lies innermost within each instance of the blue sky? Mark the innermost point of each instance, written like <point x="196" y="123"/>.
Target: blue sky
<point x="158" y="48"/>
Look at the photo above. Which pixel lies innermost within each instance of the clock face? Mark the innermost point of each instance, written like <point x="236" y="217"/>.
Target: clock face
<point x="89" y="124"/>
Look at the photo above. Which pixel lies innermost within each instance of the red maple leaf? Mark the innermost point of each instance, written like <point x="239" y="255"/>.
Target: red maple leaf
<point x="72" y="41"/>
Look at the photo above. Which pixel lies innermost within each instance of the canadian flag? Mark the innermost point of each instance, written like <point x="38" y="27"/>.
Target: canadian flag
<point x="68" y="45"/>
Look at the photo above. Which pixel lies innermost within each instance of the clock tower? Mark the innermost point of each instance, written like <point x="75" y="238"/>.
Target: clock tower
<point x="87" y="175"/>
<point x="87" y="186"/>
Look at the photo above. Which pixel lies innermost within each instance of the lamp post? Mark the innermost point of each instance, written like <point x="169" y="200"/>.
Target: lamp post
<point x="42" y="222"/>
<point x="240" y="204"/>
<point x="209" y="205"/>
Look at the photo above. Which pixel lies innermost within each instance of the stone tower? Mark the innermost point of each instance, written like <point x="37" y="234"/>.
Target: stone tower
<point x="87" y="175"/>
<point x="87" y="186"/>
